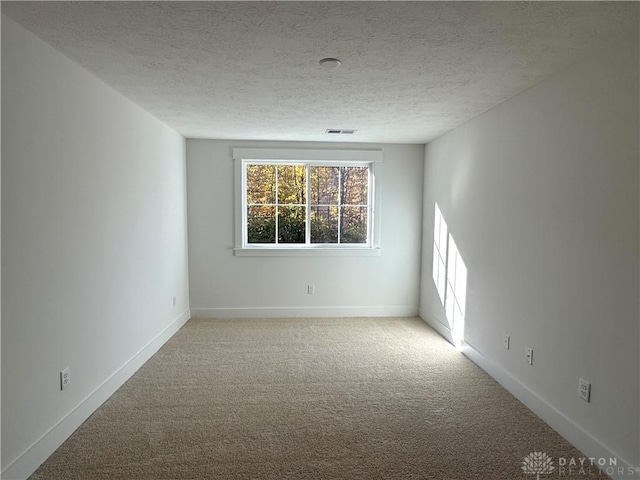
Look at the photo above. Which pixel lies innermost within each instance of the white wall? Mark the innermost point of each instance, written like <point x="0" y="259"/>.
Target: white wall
<point x="222" y="284"/>
<point x="541" y="196"/>
<point x="93" y="243"/>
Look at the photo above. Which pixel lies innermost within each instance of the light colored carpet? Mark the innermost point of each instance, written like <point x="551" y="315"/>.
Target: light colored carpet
<point x="350" y="398"/>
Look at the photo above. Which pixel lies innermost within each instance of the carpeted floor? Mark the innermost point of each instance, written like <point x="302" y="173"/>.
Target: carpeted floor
<point x="350" y="398"/>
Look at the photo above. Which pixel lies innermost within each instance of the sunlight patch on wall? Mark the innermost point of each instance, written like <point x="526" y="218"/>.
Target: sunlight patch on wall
<point x="456" y="292"/>
<point x="449" y="276"/>
<point x="440" y="232"/>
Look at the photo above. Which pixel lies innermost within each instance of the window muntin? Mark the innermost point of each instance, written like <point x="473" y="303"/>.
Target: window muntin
<point x="307" y="204"/>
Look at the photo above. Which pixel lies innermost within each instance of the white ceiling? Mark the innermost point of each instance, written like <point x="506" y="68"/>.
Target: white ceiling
<point x="249" y="70"/>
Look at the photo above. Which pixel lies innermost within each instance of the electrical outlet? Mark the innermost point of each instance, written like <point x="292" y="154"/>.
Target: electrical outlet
<point x="584" y="390"/>
<point x="529" y="356"/>
<point x="311" y="289"/>
<point x="505" y="341"/>
<point x="65" y="378"/>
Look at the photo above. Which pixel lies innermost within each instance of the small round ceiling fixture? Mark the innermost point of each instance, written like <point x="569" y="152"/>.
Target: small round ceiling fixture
<point x="330" y="63"/>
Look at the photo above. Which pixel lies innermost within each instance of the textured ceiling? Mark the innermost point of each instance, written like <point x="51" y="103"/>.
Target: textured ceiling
<point x="249" y="70"/>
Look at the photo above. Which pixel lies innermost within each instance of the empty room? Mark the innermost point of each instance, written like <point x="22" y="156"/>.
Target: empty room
<point x="320" y="240"/>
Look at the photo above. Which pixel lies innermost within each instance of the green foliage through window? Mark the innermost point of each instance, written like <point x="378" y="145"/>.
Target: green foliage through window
<point x="280" y="210"/>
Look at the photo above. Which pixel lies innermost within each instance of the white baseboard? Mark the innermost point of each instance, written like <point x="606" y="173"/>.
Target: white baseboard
<point x="441" y="328"/>
<point x="304" y="312"/>
<point x="590" y="446"/>
<point x="34" y="456"/>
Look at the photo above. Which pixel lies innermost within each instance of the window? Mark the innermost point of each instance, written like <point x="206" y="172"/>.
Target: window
<point x="306" y="202"/>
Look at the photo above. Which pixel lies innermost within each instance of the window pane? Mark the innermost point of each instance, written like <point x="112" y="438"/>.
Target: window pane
<point x="353" y="225"/>
<point x="261" y="224"/>
<point x="292" y="183"/>
<point x="291" y="224"/>
<point x="261" y="184"/>
<point x="325" y="185"/>
<point x="324" y="224"/>
<point x="355" y="184"/>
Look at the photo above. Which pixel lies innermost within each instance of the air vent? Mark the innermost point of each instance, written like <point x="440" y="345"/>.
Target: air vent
<point x="341" y="131"/>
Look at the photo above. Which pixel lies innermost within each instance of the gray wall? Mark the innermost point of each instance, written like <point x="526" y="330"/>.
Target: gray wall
<point x="222" y="284"/>
<point x="541" y="196"/>
<point x="93" y="241"/>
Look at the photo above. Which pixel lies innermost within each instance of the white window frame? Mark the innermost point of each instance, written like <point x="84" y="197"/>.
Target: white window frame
<point x="369" y="158"/>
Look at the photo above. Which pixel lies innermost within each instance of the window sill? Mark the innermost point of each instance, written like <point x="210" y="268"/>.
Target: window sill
<point x="306" y="252"/>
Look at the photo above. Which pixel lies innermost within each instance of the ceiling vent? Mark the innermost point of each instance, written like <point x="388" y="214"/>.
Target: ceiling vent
<point x="341" y="131"/>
